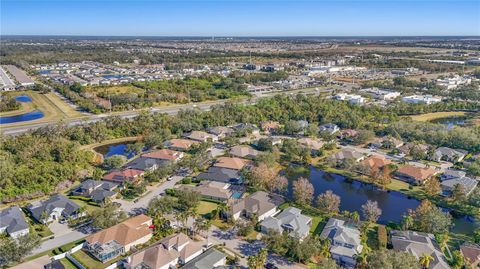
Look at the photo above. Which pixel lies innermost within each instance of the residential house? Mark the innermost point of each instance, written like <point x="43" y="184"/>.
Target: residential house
<point x="213" y="190"/>
<point x="246" y="127"/>
<point x="448" y="154"/>
<point x="170" y="251"/>
<point x="419" y="244"/>
<point x="270" y="127"/>
<point x="408" y="147"/>
<point x="97" y="190"/>
<point x="468" y="184"/>
<point x="329" y="128"/>
<point x="259" y="204"/>
<point x="233" y="163"/>
<point x="345" y="241"/>
<point x="391" y="142"/>
<point x="452" y="173"/>
<point x="210" y="259"/>
<point x="179" y="144"/>
<point x="201" y="136"/>
<point x="221" y="131"/>
<point x="112" y="242"/>
<point x="346" y="154"/>
<point x="12" y="222"/>
<point x="414" y="174"/>
<point x="222" y="175"/>
<point x="122" y="176"/>
<point x="244" y="152"/>
<point x="375" y="162"/>
<point x="55" y="264"/>
<point x="164" y="154"/>
<point x="315" y="145"/>
<point x="57" y="207"/>
<point x="290" y="220"/>
<point x="471" y="253"/>
<point x="145" y="164"/>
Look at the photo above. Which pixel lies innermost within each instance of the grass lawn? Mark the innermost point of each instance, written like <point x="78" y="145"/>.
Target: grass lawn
<point x="67" y="264"/>
<point x="317" y="225"/>
<point x="222" y="225"/>
<point x="63" y="106"/>
<point x="88" y="261"/>
<point x="206" y="207"/>
<point x="436" y="115"/>
<point x="42" y="230"/>
<point x="85" y="204"/>
<point x="251" y="236"/>
<point x="372" y="237"/>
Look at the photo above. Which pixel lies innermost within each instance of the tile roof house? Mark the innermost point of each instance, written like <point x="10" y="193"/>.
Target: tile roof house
<point x="471" y="253"/>
<point x="269" y="126"/>
<point x="232" y="163"/>
<point x="97" y="190"/>
<point x="448" y="154"/>
<point x="12" y="222"/>
<point x="415" y="174"/>
<point x="57" y="207"/>
<point x="201" y="136"/>
<point x="170" y="251"/>
<point x="210" y="259"/>
<point x="259" y="204"/>
<point x="244" y="152"/>
<point x="120" y="176"/>
<point x="164" y="154"/>
<point x="417" y="244"/>
<point x="221" y="131"/>
<point x="345" y="241"/>
<point x="312" y="144"/>
<point x="179" y="144"/>
<point x="347" y="154"/>
<point x="290" y="220"/>
<point x="222" y="175"/>
<point x="109" y="243"/>
<point x="376" y="162"/>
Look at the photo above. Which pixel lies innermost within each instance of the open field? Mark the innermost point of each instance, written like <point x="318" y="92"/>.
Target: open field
<point x="115" y="89"/>
<point x="64" y="107"/>
<point x="437" y="115"/>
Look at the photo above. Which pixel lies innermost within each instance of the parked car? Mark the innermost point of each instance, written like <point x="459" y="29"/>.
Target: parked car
<point x="270" y="265"/>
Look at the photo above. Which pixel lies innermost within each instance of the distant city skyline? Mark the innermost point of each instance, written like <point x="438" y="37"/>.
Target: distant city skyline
<point x="240" y="18"/>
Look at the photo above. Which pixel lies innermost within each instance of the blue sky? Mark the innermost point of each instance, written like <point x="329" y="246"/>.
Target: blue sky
<point x="240" y="18"/>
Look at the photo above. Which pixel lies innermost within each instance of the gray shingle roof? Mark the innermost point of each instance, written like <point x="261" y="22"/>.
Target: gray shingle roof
<point x="207" y="260"/>
<point x="12" y="218"/>
<point x="55" y="201"/>
<point x="290" y="219"/>
<point x="417" y="244"/>
<point x="221" y="175"/>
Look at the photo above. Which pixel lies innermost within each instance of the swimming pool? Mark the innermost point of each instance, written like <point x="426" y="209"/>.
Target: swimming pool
<point x="237" y="195"/>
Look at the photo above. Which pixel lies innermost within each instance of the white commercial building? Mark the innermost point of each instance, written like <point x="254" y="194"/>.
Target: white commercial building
<point x="381" y="94"/>
<point x="351" y="98"/>
<point x="421" y="99"/>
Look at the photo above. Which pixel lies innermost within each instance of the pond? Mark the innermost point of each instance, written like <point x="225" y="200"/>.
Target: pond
<point x="33" y="115"/>
<point x="450" y="122"/>
<point x="23" y="99"/>
<point x="115" y="149"/>
<point x="354" y="194"/>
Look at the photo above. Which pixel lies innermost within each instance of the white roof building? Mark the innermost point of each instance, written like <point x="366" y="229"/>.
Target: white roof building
<point x="421" y="99"/>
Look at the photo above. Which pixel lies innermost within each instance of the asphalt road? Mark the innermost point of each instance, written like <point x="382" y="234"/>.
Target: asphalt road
<point x="172" y="110"/>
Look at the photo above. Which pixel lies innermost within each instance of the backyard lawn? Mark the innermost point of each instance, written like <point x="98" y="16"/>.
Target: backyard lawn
<point x="317" y="225"/>
<point x="87" y="261"/>
<point x="67" y="264"/>
<point x="206" y="207"/>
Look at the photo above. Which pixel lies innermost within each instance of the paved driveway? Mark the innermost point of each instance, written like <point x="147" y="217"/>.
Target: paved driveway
<point x="141" y="203"/>
<point x="244" y="248"/>
<point x="62" y="235"/>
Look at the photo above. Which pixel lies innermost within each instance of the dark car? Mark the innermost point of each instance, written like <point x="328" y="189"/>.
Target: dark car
<point x="270" y="265"/>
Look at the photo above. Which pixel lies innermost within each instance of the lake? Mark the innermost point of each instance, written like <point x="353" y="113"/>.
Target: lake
<point x="354" y="194"/>
<point x="115" y="149"/>
<point x="23" y="99"/>
<point x="33" y="115"/>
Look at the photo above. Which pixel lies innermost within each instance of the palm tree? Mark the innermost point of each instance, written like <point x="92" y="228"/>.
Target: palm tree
<point x="362" y="260"/>
<point x="444" y="241"/>
<point x="325" y="248"/>
<point x="425" y="260"/>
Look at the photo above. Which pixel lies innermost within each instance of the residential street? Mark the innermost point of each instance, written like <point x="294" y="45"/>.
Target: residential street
<point x="63" y="235"/>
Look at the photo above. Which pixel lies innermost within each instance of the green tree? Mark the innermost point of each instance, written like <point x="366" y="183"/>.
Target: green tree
<point x="425" y="260"/>
<point x="107" y="216"/>
<point x="114" y="161"/>
<point x="328" y="202"/>
<point x="391" y="259"/>
<point x="14" y="250"/>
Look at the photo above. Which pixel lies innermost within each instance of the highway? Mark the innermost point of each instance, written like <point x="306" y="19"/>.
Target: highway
<point x="170" y="110"/>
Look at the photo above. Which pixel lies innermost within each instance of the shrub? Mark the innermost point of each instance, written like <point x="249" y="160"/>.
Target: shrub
<point x="382" y="236"/>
